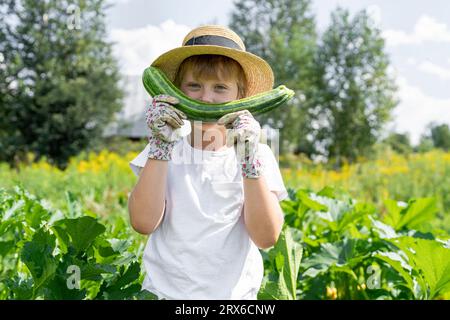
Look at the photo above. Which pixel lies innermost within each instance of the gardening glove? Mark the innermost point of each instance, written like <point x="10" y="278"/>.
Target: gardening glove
<point x="162" y="119"/>
<point x="246" y="131"/>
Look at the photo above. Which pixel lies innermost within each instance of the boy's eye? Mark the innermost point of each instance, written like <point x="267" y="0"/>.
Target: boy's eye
<point x="193" y="85"/>
<point x="221" y="87"/>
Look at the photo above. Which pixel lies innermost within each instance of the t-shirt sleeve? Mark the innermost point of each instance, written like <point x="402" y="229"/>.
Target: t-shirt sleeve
<point x="138" y="163"/>
<point x="272" y="173"/>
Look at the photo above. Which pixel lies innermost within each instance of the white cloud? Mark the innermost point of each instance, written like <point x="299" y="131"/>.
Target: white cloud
<point x="417" y="109"/>
<point x="411" y="61"/>
<point x="434" y="69"/>
<point x="136" y="49"/>
<point x="427" y="29"/>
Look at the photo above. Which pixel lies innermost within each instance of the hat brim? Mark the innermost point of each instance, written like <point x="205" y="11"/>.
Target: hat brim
<point x="258" y="73"/>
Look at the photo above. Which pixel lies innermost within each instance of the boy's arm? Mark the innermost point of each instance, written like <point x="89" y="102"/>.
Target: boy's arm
<point x="263" y="215"/>
<point x="146" y="204"/>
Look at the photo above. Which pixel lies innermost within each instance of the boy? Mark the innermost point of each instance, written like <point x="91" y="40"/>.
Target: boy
<point x="207" y="218"/>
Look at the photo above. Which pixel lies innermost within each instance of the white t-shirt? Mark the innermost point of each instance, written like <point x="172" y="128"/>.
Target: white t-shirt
<point x="201" y="249"/>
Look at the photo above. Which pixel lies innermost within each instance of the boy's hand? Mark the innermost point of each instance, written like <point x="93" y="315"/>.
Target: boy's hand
<point x="162" y="118"/>
<point x="246" y="131"/>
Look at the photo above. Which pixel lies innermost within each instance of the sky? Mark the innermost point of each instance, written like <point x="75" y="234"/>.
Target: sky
<point x="417" y="34"/>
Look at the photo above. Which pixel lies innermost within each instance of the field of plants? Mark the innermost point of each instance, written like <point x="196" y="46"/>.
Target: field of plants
<point x="378" y="229"/>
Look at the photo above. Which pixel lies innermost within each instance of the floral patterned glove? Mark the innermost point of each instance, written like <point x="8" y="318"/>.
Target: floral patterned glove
<point x="247" y="131"/>
<point x="162" y="118"/>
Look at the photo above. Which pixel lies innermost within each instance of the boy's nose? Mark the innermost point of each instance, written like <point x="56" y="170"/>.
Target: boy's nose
<point x="207" y="97"/>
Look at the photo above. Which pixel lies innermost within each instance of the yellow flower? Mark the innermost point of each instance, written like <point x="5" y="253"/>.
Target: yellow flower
<point x="395" y="169"/>
<point x="332" y="293"/>
<point x="82" y="166"/>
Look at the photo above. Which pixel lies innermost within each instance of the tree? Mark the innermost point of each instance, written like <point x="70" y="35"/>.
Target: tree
<point x="283" y="33"/>
<point x="440" y="134"/>
<point x="425" y="144"/>
<point x="399" y="142"/>
<point x="60" y="84"/>
<point x="435" y="136"/>
<point x="354" y="94"/>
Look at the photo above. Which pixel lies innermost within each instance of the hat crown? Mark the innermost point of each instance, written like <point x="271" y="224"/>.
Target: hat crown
<point x="214" y="30"/>
<point x="218" y="40"/>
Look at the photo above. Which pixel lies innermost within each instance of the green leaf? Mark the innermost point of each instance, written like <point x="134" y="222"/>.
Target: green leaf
<point x="279" y="262"/>
<point x="123" y="286"/>
<point x="35" y="213"/>
<point x="289" y="206"/>
<point x="344" y="269"/>
<point x="6" y="246"/>
<point x="418" y="212"/>
<point x="94" y="271"/>
<point x="286" y="255"/>
<point x="392" y="216"/>
<point x="384" y="231"/>
<point x="328" y="192"/>
<point x="341" y="215"/>
<point x="82" y="231"/>
<point x="146" y="295"/>
<point x="399" y="264"/>
<point x="37" y="256"/>
<point x="433" y="260"/>
<point x="305" y="199"/>
<point x="119" y="246"/>
<point x="62" y="238"/>
<point x="73" y="206"/>
<point x="129" y="292"/>
<point x="342" y="253"/>
<point x="58" y="290"/>
<point x="129" y="276"/>
<point x="21" y="288"/>
<point x="275" y="290"/>
<point x="106" y="251"/>
<point x="14" y="210"/>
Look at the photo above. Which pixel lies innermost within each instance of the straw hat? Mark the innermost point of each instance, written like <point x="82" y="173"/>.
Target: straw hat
<point x="216" y="39"/>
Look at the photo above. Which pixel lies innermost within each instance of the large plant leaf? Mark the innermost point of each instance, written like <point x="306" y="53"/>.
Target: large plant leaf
<point x="309" y="202"/>
<point x="418" y="212"/>
<point x="340" y="215"/>
<point x="383" y="230"/>
<point x="343" y="253"/>
<point x="82" y="231"/>
<point x="393" y="212"/>
<point x="286" y="255"/>
<point x="37" y="256"/>
<point x="413" y="216"/>
<point x="124" y="285"/>
<point x="400" y="264"/>
<point x="275" y="290"/>
<point x="433" y="261"/>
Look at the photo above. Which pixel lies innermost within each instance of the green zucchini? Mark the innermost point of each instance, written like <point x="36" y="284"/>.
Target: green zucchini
<point x="156" y="83"/>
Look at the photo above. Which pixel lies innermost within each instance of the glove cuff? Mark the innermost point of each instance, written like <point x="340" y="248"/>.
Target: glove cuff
<point x="159" y="149"/>
<point x="252" y="166"/>
<point x="252" y="170"/>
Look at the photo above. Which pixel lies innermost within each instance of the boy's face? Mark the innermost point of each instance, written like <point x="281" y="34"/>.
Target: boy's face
<point x="209" y="91"/>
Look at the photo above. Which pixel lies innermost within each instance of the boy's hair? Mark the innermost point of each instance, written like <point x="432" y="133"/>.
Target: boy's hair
<point x="207" y="66"/>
